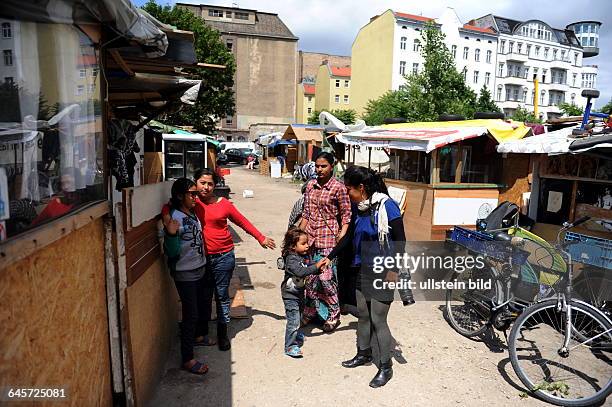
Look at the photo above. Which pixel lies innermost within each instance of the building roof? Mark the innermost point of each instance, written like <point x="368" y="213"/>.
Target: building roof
<point x="303" y="133"/>
<point x="412" y="17"/>
<point x="478" y="29"/>
<point x="344" y="71"/>
<point x="309" y="89"/>
<point x="564" y="36"/>
<point x="266" y="25"/>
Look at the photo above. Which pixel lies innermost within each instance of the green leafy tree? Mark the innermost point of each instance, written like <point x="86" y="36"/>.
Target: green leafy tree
<point x="607" y="108"/>
<point x="437" y="89"/>
<point x="570" y="109"/>
<point x="216" y="95"/>
<point x="485" y="102"/>
<point x="523" y="115"/>
<point x="347" y="116"/>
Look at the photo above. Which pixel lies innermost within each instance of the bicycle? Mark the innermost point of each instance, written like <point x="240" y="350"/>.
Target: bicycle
<point x="569" y="327"/>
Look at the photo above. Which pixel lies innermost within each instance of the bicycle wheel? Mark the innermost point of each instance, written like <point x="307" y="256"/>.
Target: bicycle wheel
<point x="468" y="310"/>
<point x="582" y="376"/>
<point x="595" y="287"/>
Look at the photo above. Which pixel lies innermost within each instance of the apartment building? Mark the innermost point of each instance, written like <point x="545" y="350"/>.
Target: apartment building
<point x="305" y="102"/>
<point x="333" y="87"/>
<point x="265" y="51"/>
<point x="530" y="50"/>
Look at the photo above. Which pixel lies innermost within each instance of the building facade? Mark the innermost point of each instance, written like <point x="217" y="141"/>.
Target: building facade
<point x="502" y="54"/>
<point x="265" y="51"/>
<point x="333" y="87"/>
<point x="533" y="50"/>
<point x="309" y="62"/>
<point x="305" y="102"/>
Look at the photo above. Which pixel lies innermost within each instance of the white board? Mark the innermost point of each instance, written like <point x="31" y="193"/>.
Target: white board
<point x="459" y="211"/>
<point x="147" y="201"/>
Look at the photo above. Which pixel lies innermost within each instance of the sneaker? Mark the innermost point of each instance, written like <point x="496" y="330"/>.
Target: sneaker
<point x="294" y="351"/>
<point x="300" y="338"/>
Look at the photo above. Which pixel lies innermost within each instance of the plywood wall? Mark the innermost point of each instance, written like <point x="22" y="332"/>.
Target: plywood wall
<point x="419" y="210"/>
<point x="515" y="176"/>
<point x="153" y="309"/>
<point x="53" y="319"/>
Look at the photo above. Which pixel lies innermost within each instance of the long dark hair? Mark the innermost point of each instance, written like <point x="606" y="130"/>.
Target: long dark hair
<point x="372" y="181"/>
<point x="206" y="171"/>
<point x="329" y="157"/>
<point x="291" y="238"/>
<point x="179" y="189"/>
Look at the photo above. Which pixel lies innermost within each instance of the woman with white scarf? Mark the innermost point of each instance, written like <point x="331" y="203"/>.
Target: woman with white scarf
<point x="379" y="231"/>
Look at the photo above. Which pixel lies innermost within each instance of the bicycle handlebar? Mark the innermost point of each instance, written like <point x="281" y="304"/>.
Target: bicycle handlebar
<point x="579" y="221"/>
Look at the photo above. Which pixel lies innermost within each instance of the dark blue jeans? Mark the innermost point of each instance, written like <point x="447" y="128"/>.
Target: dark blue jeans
<point x="292" y="311"/>
<point x="221" y="268"/>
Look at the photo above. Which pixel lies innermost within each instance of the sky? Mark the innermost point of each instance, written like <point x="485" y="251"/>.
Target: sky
<point x="330" y="26"/>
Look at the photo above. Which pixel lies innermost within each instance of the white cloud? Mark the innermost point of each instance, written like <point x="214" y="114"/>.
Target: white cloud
<point x="331" y="26"/>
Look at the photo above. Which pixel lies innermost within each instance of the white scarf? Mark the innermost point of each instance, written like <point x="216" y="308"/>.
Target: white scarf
<point x="379" y="199"/>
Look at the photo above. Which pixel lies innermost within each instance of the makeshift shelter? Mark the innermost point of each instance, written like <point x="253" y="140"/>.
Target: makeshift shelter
<point x="267" y="152"/>
<point x="308" y="139"/>
<point x="448" y="169"/>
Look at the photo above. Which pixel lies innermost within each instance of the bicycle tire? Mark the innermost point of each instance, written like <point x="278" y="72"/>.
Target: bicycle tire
<point x="452" y="314"/>
<point x="516" y="332"/>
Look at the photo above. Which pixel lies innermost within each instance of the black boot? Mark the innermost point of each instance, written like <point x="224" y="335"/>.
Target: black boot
<point x="361" y="358"/>
<point x="222" y="338"/>
<point x="385" y="373"/>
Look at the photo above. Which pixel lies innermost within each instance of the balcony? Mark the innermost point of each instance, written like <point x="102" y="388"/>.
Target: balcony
<point x="515" y="56"/>
<point x="560" y="64"/>
<point x="511" y="104"/>
<point x="561" y="87"/>
<point x="513" y="80"/>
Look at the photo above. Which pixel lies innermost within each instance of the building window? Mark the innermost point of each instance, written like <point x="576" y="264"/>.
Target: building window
<point x="230" y="45"/>
<point x="477" y="55"/>
<point x="519" y="47"/>
<point x="415" y="68"/>
<point x="402" y="69"/>
<point x="82" y="73"/>
<point x="510" y="47"/>
<point x="464" y="73"/>
<point x="239" y="15"/>
<point x="489" y="53"/>
<point x="524" y="95"/>
<point x="526" y="72"/>
<point x="337" y="83"/>
<point x="309" y="110"/>
<point x="346" y="83"/>
<point x="228" y="14"/>
<point x="92" y="88"/>
<point x="416" y="47"/>
<point x="487" y="78"/>
<point x="545" y="53"/>
<point x="542" y="97"/>
<point x="555" y="52"/>
<point x="574" y="80"/>
<point x="346" y="99"/>
<point x="403" y="43"/>
<point x="337" y="98"/>
<point x="499" y="93"/>
<point x="575" y="58"/>
<point x="215" y="13"/>
<point x="500" y="69"/>
<point x="229" y="120"/>
<point x="8" y="80"/>
<point x="573" y="98"/>
<point x="475" y="76"/>
<point x="310" y="98"/>
<point x="454" y="51"/>
<point x="6" y="30"/>
<point x="562" y="55"/>
<point x="8" y="57"/>
<point x="537" y="52"/>
<point x="528" y="49"/>
<point x="466" y="51"/>
<point x="80" y="90"/>
<point x="502" y="46"/>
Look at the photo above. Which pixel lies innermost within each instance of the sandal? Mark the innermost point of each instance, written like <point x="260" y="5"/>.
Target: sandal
<point x="329" y="326"/>
<point x="198" y="368"/>
<point x="206" y="341"/>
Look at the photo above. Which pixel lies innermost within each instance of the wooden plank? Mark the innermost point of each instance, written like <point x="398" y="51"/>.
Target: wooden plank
<point x="119" y="60"/>
<point x="143" y="264"/>
<point x="146" y="201"/>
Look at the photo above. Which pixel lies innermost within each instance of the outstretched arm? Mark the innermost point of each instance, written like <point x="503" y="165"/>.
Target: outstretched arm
<point x="239" y="219"/>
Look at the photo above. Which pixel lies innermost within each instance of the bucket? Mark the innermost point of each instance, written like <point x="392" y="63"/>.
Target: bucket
<point x="247" y="193"/>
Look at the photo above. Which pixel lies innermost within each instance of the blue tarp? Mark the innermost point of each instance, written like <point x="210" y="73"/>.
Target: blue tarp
<point x="282" y="142"/>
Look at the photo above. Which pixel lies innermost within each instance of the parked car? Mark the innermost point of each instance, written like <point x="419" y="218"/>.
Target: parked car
<point x="236" y="155"/>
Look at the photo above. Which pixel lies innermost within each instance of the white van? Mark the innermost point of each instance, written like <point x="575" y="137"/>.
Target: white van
<point x="236" y="144"/>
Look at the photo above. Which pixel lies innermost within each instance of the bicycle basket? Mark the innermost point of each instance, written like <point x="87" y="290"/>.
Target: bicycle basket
<point x="590" y="250"/>
<point x="484" y="244"/>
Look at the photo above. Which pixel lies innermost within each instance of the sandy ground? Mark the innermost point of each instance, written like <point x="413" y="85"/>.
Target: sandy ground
<point x="433" y="365"/>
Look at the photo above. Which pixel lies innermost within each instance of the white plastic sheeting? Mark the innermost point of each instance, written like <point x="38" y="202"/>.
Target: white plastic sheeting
<point x="554" y="142"/>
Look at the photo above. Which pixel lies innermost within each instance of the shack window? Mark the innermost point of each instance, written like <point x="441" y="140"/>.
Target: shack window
<point x="481" y="163"/>
<point x="413" y="166"/>
<point x="448" y="157"/>
<point x="51" y="151"/>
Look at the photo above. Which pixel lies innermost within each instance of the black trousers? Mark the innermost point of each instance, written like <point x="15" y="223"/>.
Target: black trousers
<point x="196" y="301"/>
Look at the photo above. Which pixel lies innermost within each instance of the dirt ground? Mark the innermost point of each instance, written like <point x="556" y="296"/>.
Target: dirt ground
<point x="433" y="365"/>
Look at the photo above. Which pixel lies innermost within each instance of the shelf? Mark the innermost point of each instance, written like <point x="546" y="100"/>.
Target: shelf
<point x="174" y="153"/>
<point x="195" y="152"/>
<point x="178" y="167"/>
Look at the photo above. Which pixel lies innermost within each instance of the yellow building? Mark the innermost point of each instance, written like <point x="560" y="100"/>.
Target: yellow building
<point x="333" y="87"/>
<point x="305" y="102"/>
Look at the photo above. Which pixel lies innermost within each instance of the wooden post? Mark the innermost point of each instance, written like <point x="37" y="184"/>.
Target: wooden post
<point x="435" y="168"/>
<point x="369" y="157"/>
<point x="459" y="168"/>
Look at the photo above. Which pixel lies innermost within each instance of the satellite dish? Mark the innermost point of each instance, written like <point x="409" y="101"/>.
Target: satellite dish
<point x="484" y="210"/>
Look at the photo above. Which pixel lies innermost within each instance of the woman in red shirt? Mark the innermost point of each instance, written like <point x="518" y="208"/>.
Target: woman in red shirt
<point x="214" y="213"/>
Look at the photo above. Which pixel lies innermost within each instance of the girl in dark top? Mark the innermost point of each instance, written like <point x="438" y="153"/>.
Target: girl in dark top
<point x="297" y="266"/>
<point x="378" y="224"/>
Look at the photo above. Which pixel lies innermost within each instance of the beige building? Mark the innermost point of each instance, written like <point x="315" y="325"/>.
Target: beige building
<point x="305" y="102"/>
<point x="265" y="51"/>
<point x="309" y="62"/>
<point x="333" y="87"/>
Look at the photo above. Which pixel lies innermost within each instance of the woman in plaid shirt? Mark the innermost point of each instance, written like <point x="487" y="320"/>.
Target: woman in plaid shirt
<point x="326" y="217"/>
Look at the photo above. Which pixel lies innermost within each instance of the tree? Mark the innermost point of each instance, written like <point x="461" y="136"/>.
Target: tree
<point x="216" y="95"/>
<point x="607" y="108"/>
<point x="525" y="116"/>
<point x="485" y="103"/>
<point x="570" y="109"/>
<point x="437" y="89"/>
<point x="347" y="116"/>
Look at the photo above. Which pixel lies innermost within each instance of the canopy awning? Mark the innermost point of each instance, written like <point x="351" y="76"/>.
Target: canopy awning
<point x="428" y="136"/>
<point x="554" y="142"/>
<point x="268" y="139"/>
<point x="282" y="143"/>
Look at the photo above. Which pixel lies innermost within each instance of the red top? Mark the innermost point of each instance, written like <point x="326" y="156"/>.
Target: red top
<point x="214" y="216"/>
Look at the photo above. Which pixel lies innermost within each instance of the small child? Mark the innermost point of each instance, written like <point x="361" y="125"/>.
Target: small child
<point x="295" y="252"/>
